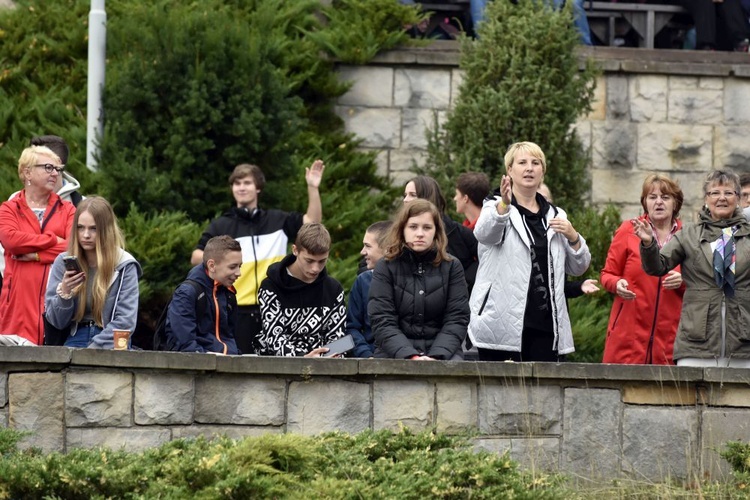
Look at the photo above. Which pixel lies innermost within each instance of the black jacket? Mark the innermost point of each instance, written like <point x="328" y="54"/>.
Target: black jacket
<point x="417" y="308"/>
<point x="462" y="245"/>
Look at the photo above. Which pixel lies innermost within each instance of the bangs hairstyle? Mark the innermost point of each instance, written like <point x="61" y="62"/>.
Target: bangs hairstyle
<point x="247" y="170"/>
<point x="722" y="178"/>
<point x="218" y="247"/>
<point x="396" y="243"/>
<point x="380" y="231"/>
<point x="666" y="186"/>
<point x="428" y="189"/>
<point x="109" y="244"/>
<point x="314" y="238"/>
<point x="475" y="185"/>
<point x="524" y="147"/>
<point x="30" y="157"/>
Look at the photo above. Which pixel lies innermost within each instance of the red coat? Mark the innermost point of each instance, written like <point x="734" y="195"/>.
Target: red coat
<point x="24" y="284"/>
<point x="642" y="330"/>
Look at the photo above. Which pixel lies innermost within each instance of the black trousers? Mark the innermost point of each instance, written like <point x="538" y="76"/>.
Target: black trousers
<point x="248" y="329"/>
<point x="536" y="345"/>
<point x="720" y="24"/>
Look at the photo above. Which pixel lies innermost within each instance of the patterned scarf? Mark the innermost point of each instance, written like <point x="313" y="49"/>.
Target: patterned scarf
<point x="724" y="260"/>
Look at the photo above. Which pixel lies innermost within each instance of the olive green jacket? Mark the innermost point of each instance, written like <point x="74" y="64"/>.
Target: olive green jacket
<point x="699" y="332"/>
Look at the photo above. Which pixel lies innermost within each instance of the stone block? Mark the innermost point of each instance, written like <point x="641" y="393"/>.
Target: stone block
<point x="163" y="399"/>
<point x="720" y="426"/>
<point x="33" y="356"/>
<point x="149" y="360"/>
<point x="390" y="408"/>
<point x="422" y="88"/>
<point x="683" y="82"/>
<point x="618" y="103"/>
<point x="591" y="440"/>
<point x="116" y="438"/>
<point x="519" y="410"/>
<point x="660" y="443"/>
<point x="599" y="102"/>
<point x="668" y="147"/>
<point x="695" y="106"/>
<point x="616" y="186"/>
<point x="98" y="399"/>
<point x="598" y="371"/>
<point x="3" y="389"/>
<point x="614" y="145"/>
<point x="382" y="160"/>
<point x="317" y="406"/>
<point x="648" y="98"/>
<point x="416" y="124"/>
<point x="711" y="83"/>
<point x="372" y="86"/>
<point x="234" y="399"/>
<point x="533" y="454"/>
<point x="731" y="147"/>
<point x="3" y="418"/>
<point x="377" y="127"/>
<point x="456" y="406"/>
<point x="736" y="97"/>
<point x="729" y="395"/>
<point x="661" y="394"/>
<point x="35" y="404"/>
<point x="457" y="79"/>
<point x="403" y="163"/>
<point x="583" y="131"/>
<point x="230" y="431"/>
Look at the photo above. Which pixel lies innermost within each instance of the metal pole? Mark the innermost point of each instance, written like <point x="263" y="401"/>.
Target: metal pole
<point x="97" y="59"/>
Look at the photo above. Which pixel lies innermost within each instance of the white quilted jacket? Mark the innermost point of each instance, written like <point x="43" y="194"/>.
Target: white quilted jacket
<point x="498" y="300"/>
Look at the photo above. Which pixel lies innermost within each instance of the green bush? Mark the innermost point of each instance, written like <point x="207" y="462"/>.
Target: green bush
<point x="522" y="82"/>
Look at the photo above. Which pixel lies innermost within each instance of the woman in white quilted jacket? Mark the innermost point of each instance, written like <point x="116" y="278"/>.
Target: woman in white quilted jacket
<point x="526" y="247"/>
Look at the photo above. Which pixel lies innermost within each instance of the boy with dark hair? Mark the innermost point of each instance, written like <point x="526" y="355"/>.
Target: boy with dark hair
<point x="745" y="190"/>
<point x="214" y="330"/>
<point x="263" y="235"/>
<point x="471" y="190"/>
<point x="67" y="185"/>
<point x="301" y="306"/>
<point x="357" y="319"/>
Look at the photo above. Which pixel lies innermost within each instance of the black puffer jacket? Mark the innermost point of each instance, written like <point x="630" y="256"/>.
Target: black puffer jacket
<point x="417" y="308"/>
<point x="462" y="245"/>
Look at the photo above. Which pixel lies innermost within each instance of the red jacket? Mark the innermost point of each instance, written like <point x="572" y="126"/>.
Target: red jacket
<point x="24" y="284"/>
<point x="642" y="330"/>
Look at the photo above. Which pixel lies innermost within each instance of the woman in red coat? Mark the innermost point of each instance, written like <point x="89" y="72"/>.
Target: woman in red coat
<point x="34" y="227"/>
<point x="646" y="311"/>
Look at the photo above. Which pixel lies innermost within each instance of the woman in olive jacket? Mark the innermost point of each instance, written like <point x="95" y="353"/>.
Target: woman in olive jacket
<point x="419" y="304"/>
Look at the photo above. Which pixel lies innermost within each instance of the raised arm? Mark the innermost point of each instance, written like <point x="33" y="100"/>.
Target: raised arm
<point x="313" y="177"/>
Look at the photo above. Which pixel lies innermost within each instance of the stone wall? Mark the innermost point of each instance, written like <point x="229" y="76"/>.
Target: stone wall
<point x="596" y="421"/>
<point x="677" y="112"/>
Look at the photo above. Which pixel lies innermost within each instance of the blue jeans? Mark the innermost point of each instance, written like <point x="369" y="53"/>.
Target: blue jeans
<point x="82" y="337"/>
<point x="476" y="7"/>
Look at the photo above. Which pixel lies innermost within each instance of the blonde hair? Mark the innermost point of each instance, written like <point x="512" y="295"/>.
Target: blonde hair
<point x="109" y="243"/>
<point x="525" y="147"/>
<point x="397" y="243"/>
<point x="30" y="157"/>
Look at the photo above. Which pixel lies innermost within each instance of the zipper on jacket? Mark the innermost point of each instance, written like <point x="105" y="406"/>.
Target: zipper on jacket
<point x="217" y="323"/>
<point x="484" y="302"/>
<point x="650" y="349"/>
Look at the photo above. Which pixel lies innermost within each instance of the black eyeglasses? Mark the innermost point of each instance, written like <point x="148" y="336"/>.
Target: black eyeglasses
<point x="49" y="168"/>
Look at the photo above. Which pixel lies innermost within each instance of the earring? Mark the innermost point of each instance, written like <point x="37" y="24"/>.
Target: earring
<point x="28" y="182"/>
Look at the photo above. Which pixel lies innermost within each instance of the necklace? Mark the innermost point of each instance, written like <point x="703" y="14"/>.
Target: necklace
<point x="40" y="204"/>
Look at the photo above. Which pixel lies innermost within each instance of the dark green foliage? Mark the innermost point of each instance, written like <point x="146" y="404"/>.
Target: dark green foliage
<point x="522" y="82"/>
<point x="377" y="465"/>
<point x="359" y="29"/>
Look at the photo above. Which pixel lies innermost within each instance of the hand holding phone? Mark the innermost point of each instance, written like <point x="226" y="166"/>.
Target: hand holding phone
<point x="72" y="264"/>
<point x="339" y="346"/>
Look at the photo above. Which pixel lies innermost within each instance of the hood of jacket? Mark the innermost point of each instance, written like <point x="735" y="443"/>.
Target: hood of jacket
<point x="278" y="274"/>
<point x="70" y="184"/>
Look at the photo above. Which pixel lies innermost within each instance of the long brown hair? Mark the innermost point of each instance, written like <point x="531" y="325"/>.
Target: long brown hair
<point x="109" y="243"/>
<point x="396" y="242"/>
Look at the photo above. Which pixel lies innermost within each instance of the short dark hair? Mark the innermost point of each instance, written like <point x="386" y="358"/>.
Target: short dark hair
<point x="218" y="247"/>
<point x="247" y="170"/>
<point x="313" y="237"/>
<point x="55" y="143"/>
<point x="380" y="230"/>
<point x="744" y="179"/>
<point x="475" y="185"/>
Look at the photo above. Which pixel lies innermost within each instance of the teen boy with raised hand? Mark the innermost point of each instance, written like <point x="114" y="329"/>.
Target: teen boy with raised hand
<point x="263" y="235"/>
<point x="302" y="307"/>
<point x="212" y="331"/>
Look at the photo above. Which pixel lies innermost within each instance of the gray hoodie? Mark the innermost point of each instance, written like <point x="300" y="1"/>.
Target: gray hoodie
<point x="120" y="309"/>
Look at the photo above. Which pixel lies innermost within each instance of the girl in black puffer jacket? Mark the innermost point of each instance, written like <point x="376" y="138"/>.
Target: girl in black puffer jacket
<point x="419" y="304"/>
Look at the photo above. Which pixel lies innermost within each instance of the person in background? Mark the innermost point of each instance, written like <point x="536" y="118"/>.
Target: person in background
<point x="301" y="306"/>
<point x="745" y="193"/>
<point x="646" y="310"/>
<point x="264" y="236"/>
<point x="357" y="319"/>
<point x="34" y="227"/>
<point x="103" y="297"/>
<point x="471" y="189"/>
<point x="214" y="332"/>
<point x="461" y="241"/>
<point x="418" y="299"/>
<point x="526" y="248"/>
<point x="719" y="25"/>
<point x="713" y="253"/>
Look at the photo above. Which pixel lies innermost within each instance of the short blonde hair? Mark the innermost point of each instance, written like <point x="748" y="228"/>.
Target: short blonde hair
<point x="30" y="157"/>
<point x="524" y="147"/>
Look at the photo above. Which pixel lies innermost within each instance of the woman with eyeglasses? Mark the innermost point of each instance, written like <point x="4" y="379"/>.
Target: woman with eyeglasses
<point x="714" y="254"/>
<point x="646" y="310"/>
<point x="34" y="227"/>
